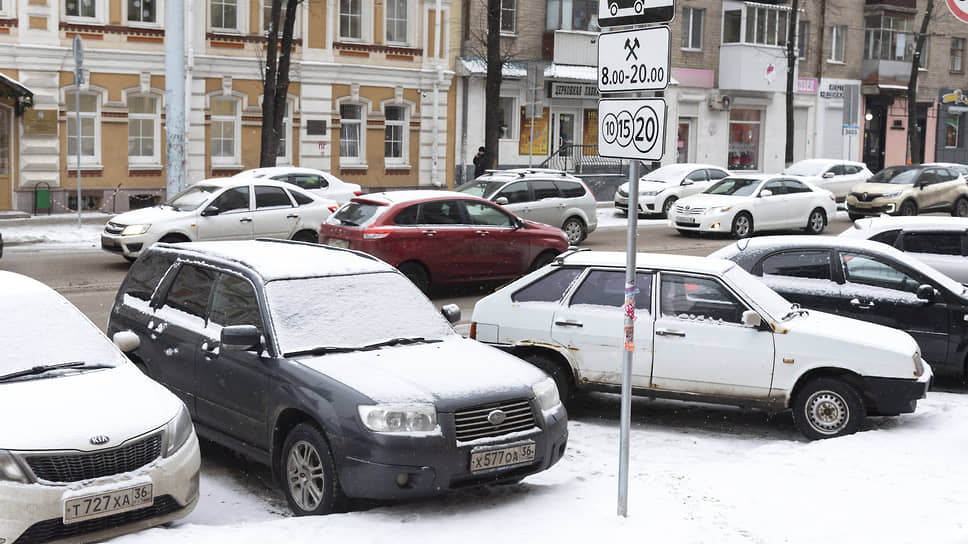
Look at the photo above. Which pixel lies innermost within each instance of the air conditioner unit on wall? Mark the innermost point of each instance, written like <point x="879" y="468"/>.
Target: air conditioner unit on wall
<point x="719" y="102"/>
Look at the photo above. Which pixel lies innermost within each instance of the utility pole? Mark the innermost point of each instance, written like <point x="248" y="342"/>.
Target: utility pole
<point x="175" y="96"/>
<point x="792" y="34"/>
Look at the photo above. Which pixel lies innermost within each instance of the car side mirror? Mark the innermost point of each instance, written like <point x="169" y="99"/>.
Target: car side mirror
<point x="451" y="312"/>
<point x="211" y="210"/>
<point x="518" y="223"/>
<point x="501" y="200"/>
<point x="241" y="338"/>
<point x="751" y="319"/>
<point x="127" y="341"/>
<point x="828" y="175"/>
<point x="686" y="182"/>
<point x="927" y="292"/>
<point x="765" y="193"/>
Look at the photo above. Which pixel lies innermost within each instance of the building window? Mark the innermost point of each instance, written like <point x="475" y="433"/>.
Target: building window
<point x="572" y="15"/>
<point x="90" y="127"/>
<point x="507" y="109"/>
<point x="838" y="43"/>
<point x="396" y="21"/>
<point x="142" y="11"/>
<point x="6" y="10"/>
<point x="350" y="132"/>
<point x="225" y="129"/>
<point x="284" y="151"/>
<point x="508" y="16"/>
<point x="267" y="15"/>
<point x="351" y="19"/>
<point x="395" y="134"/>
<point x="732" y="25"/>
<point x="889" y="37"/>
<point x="951" y="126"/>
<point x="803" y="39"/>
<point x="957" y="55"/>
<point x="744" y="139"/>
<point x="143" y="130"/>
<point x="81" y="8"/>
<point x="692" y="26"/>
<point x="766" y="26"/>
<point x="224" y="14"/>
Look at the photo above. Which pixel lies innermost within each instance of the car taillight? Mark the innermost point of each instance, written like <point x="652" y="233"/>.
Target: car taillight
<point x="358" y="193"/>
<point x="334" y="208"/>
<point x="473" y="334"/>
<point x="376" y="233"/>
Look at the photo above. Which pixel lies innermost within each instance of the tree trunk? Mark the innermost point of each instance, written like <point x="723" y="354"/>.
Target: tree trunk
<point x="282" y="79"/>
<point x="791" y="69"/>
<point x="914" y="137"/>
<point x="270" y="137"/>
<point x="492" y="86"/>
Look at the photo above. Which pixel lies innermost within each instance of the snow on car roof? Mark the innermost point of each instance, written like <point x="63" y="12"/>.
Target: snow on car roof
<point x="866" y="226"/>
<point x="394" y="197"/>
<point x="270" y="171"/>
<point x="650" y="260"/>
<point x="276" y="259"/>
<point x="676" y="170"/>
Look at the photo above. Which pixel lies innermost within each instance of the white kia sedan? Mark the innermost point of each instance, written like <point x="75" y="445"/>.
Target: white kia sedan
<point x="238" y="208"/>
<point x="740" y="205"/>
<point x="661" y="188"/>
<point x="835" y="175"/>
<point x="319" y="182"/>
<point x="90" y="447"/>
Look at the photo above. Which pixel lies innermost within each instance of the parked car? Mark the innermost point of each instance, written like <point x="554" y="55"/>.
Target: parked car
<point x="707" y="331"/>
<point x="238" y="208"/>
<point x="743" y="204"/>
<point x="834" y="175"/>
<point x="90" y="448"/>
<point x="318" y="182"/>
<point x="547" y="196"/>
<point x="330" y="367"/>
<point x="941" y="242"/>
<point x="910" y="190"/>
<point x="661" y="188"/>
<point x="865" y="280"/>
<point x="443" y="237"/>
<point x="957" y="167"/>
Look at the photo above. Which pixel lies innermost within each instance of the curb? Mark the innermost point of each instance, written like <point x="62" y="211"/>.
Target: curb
<point x="59" y="219"/>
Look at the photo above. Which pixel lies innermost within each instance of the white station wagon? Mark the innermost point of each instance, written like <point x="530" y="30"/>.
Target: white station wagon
<point x="707" y="331"/>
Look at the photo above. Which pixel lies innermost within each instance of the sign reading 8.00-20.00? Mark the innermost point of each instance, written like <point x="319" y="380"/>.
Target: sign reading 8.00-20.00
<point x="634" y="60"/>
<point x="632" y="128"/>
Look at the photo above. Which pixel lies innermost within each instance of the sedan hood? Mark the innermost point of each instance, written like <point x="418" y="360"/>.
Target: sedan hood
<point x="148" y="216"/>
<point x="879" y="188"/>
<point x="63" y="413"/>
<point x="647" y="185"/>
<point x="449" y="374"/>
<point x="704" y="200"/>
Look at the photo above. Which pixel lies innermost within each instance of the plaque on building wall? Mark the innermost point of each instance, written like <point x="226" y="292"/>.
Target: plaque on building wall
<point x="316" y="127"/>
<point x="40" y="122"/>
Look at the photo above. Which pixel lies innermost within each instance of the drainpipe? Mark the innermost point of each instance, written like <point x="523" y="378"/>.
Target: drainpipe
<point x="439" y="77"/>
<point x="463" y="132"/>
<point x="175" y="95"/>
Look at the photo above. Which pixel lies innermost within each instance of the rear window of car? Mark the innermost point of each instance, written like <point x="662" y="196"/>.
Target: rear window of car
<point x="301" y="199"/>
<point x="570" y="189"/>
<point x="356" y="214"/>
<point x="888" y="237"/>
<point x="549" y="288"/>
<point x="944" y="243"/>
<point x="799" y="264"/>
<point x="145" y="274"/>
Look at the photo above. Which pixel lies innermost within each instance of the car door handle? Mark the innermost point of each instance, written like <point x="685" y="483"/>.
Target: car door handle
<point x="211" y="351"/>
<point x="856" y="303"/>
<point x="157" y="328"/>
<point x="667" y="332"/>
<point x="245" y="220"/>
<point x="429" y="232"/>
<point x="480" y="232"/>
<point x="293" y="216"/>
<point x="569" y="323"/>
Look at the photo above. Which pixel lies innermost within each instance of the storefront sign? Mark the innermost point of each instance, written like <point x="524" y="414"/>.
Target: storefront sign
<point x="955" y="97"/>
<point x="573" y="90"/>
<point x="41" y="122"/>
<point x="540" y="134"/>
<point x="807" y="85"/>
<point x="833" y="91"/>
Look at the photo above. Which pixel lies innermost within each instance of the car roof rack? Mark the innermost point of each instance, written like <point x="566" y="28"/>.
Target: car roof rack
<point x="560" y="258"/>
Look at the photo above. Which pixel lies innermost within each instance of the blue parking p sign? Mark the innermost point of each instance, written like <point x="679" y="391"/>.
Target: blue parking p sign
<point x="634" y="12"/>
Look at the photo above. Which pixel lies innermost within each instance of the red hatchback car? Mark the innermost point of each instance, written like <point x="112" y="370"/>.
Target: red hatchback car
<point x="443" y="237"/>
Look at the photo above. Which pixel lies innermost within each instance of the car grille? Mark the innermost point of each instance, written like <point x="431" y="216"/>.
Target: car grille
<point x="113" y="228"/>
<point x="74" y="467"/>
<point x="865" y="197"/>
<point x="54" y="529"/>
<point x="623" y="192"/>
<point x="683" y="210"/>
<point x="473" y="423"/>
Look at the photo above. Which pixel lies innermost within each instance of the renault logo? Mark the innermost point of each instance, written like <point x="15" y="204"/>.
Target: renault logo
<point x="865" y="196"/>
<point x="100" y="440"/>
<point x="496" y="417"/>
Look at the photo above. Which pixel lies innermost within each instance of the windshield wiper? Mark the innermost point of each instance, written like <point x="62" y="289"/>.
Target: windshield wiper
<point x="400" y="342"/>
<point x="795" y="310"/>
<point x="323" y="350"/>
<point x="47" y="368"/>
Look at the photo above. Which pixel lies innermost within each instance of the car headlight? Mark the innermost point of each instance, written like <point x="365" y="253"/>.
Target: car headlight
<point x="133" y="230"/>
<point x="178" y="430"/>
<point x="892" y="195"/>
<point x="648" y="193"/>
<point x="546" y="393"/>
<point x="399" y="418"/>
<point x="10" y="469"/>
<point x="719" y="209"/>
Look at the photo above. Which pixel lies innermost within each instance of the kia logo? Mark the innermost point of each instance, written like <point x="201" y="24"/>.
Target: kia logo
<point x="496" y="417"/>
<point x="100" y="440"/>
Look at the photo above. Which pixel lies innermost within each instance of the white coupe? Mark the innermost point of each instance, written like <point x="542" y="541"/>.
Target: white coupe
<point x="741" y="205"/>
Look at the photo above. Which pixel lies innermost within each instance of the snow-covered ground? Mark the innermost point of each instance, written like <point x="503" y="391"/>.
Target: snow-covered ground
<point x="699" y="474"/>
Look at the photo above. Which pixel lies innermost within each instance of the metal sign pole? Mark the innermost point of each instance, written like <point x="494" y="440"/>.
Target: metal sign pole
<point x="534" y="97"/>
<point x="629" y="356"/>
<point x="78" y="81"/>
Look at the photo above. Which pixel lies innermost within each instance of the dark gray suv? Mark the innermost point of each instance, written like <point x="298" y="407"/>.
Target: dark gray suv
<point x="329" y="366"/>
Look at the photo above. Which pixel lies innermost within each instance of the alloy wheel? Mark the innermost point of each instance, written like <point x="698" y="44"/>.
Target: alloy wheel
<point x="304" y="475"/>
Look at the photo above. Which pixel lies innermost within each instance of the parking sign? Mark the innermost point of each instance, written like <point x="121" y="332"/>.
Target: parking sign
<point x="631" y="128"/>
<point x="635" y="12"/>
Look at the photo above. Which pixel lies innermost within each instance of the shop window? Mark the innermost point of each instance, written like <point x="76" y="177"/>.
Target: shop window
<point x="508" y="16"/>
<point x="351" y="141"/>
<point x="224" y="15"/>
<point x="744" y="139"/>
<point x="951" y="126"/>
<point x="692" y="27"/>
<point x="225" y="131"/>
<point x="395" y="135"/>
<point x="396" y="21"/>
<point x="957" y="55"/>
<point x="144" y="122"/>
<point x="506" y="109"/>
<point x="89" y="119"/>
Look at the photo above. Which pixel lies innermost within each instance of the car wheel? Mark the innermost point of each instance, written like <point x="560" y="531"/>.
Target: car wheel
<point x="416" y="273"/>
<point x="306" y="236"/>
<point x="543" y="259"/>
<point x="908" y="208"/>
<point x="960" y="208"/>
<point x="174" y="238"/>
<point x="130" y="259"/>
<point x="816" y="222"/>
<point x="308" y="472"/>
<point x="574" y="229"/>
<point x="854" y="216"/>
<point x="826" y="408"/>
<point x="557" y="370"/>
<point x="742" y="225"/>
<point x="667" y="205"/>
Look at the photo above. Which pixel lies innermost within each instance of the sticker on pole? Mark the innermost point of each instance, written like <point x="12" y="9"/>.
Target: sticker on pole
<point x="634" y="60"/>
<point x="632" y="128"/>
<point x="958" y="8"/>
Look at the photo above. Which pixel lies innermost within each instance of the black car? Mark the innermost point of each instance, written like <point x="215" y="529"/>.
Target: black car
<point x="864" y="280"/>
<point x="331" y="367"/>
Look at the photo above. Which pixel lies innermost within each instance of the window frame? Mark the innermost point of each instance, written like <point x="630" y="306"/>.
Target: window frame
<point x="512" y="127"/>
<point x="264" y="18"/>
<point x="8" y="8"/>
<point x="88" y="161"/>
<point x="241" y="17"/>
<point x="143" y="160"/>
<point x="365" y="17"/>
<point x="960" y="69"/>
<point x="360" y="158"/>
<point x="221" y="160"/>
<point x="285" y="135"/>
<point x="688" y="21"/>
<point x="513" y="10"/>
<point x="159" y="15"/>
<point x="838" y="44"/>
<point x="803" y="39"/>
<point x="408" y="28"/>
<point x="97" y="18"/>
<point x="404" y="126"/>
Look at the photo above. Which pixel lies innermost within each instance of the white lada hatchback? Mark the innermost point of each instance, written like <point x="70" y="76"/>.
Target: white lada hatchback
<point x="707" y="331"/>
<point x="90" y="447"/>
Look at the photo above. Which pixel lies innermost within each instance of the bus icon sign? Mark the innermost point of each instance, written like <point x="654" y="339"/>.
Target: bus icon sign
<point x="633" y="12"/>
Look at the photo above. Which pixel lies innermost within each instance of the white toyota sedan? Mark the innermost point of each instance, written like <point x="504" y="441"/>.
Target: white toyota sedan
<point x="743" y="204"/>
<point x="835" y="175"/>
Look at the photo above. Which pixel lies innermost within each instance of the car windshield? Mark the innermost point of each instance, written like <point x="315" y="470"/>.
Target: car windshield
<point x="351" y="311"/>
<point x="734" y="187"/>
<point x="481" y="188"/>
<point x="757" y="291"/>
<point x="192" y="197"/>
<point x="806" y="168"/>
<point x="898" y="175"/>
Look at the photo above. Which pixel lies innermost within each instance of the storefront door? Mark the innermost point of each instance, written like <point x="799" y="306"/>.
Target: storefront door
<point x="563" y="126"/>
<point x="685" y="141"/>
<point x="6" y="158"/>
